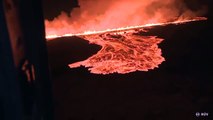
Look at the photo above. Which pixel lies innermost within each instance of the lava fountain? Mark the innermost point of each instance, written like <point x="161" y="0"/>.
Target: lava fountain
<point x="116" y="27"/>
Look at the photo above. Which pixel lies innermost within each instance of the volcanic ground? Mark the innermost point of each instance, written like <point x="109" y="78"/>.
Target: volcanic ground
<point x="180" y="87"/>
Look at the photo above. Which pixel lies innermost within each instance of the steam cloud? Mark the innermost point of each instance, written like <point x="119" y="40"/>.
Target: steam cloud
<point x="106" y="14"/>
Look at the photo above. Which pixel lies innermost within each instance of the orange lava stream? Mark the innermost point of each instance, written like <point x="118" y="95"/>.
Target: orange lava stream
<point x="124" y="50"/>
<point x="123" y="53"/>
<point x="52" y="36"/>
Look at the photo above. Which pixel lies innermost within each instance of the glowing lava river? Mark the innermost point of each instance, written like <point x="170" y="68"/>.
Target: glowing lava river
<point x="124" y="50"/>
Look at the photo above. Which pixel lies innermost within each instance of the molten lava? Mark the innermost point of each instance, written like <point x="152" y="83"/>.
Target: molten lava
<point x="115" y="26"/>
<point x="89" y="32"/>
<point x="124" y="50"/>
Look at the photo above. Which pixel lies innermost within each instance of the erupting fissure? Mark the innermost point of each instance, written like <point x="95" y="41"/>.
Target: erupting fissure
<point x="89" y="32"/>
<point x="124" y="50"/>
<point x="116" y="25"/>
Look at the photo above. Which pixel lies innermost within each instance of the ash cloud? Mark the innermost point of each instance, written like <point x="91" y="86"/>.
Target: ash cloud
<point x="106" y="14"/>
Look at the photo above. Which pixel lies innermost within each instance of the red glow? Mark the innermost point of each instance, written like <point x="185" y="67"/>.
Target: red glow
<point x="112" y="24"/>
<point x="123" y="52"/>
<point x="100" y="15"/>
<point x="52" y="36"/>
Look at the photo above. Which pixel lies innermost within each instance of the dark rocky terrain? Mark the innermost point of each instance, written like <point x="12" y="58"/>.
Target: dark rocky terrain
<point x="180" y="87"/>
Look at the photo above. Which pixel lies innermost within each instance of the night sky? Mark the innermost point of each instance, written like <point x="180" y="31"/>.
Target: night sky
<point x="177" y="90"/>
<point x="53" y="8"/>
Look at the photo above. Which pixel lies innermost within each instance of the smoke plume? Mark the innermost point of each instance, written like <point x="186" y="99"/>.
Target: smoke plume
<point x="96" y="15"/>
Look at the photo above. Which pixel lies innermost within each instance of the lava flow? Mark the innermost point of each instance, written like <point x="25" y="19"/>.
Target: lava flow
<point x="116" y="25"/>
<point x="124" y="50"/>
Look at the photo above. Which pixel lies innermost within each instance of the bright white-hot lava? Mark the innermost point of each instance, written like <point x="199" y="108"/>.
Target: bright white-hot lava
<point x="89" y="32"/>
